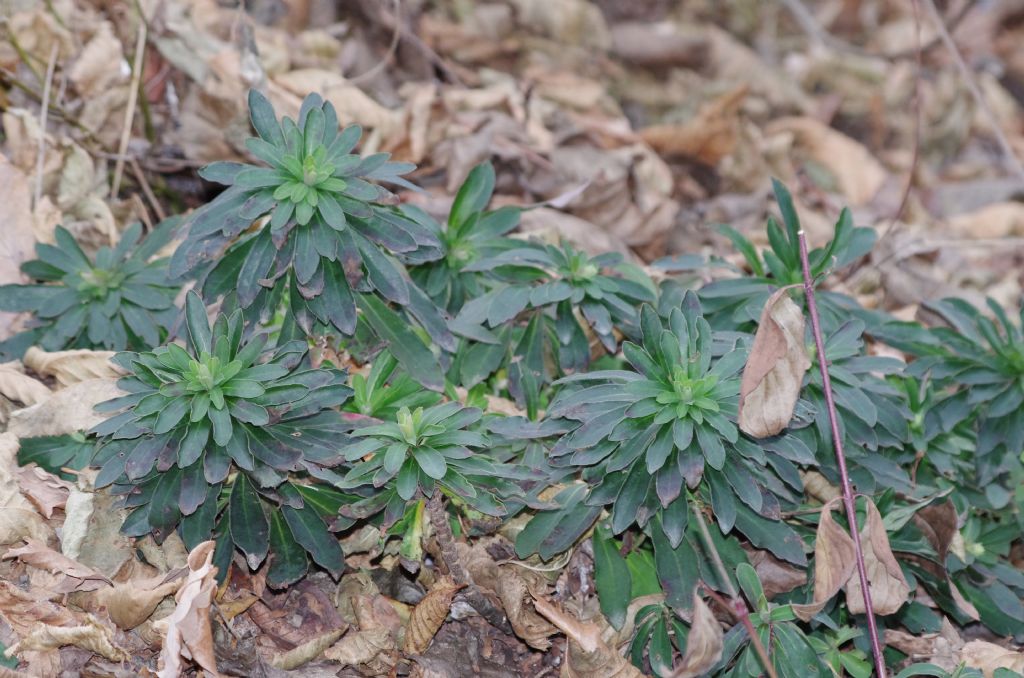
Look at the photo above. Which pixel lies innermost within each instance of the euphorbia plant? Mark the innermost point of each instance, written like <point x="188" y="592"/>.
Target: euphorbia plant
<point x="311" y="233"/>
<point x="224" y="437"/>
<point x="120" y="299"/>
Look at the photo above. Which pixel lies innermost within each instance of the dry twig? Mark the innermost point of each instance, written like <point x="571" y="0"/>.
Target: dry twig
<point x="129" y="112"/>
<point x="44" y="112"/>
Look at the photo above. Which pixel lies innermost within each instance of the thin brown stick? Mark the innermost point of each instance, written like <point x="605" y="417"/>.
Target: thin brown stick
<point x="140" y="176"/>
<point x="837" y="442"/>
<point x="972" y="85"/>
<point x="129" y="113"/>
<point x="738" y="606"/>
<point x="44" y="113"/>
<point x="396" y="38"/>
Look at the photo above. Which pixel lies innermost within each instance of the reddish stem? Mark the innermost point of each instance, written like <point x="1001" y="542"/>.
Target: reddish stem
<point x="833" y="420"/>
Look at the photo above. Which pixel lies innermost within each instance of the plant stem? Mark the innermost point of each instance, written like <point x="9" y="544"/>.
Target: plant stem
<point x="738" y="606"/>
<point x="450" y="555"/>
<point x="837" y="442"/>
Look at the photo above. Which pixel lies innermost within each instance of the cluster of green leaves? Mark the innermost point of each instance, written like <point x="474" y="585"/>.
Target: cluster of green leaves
<point x="221" y="439"/>
<point x="120" y="299"/>
<point x="332" y="243"/>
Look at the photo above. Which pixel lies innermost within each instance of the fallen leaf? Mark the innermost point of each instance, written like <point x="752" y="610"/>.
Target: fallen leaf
<point x="78" y="577"/>
<point x="65" y="411"/>
<point x="307" y="652"/>
<point x="857" y="173"/>
<point x="18" y="518"/>
<point x="988" y="657"/>
<point x="428" y="615"/>
<point x="703" y="644"/>
<point x="93" y="636"/>
<point x="589" y="656"/>
<point x="775" y="369"/>
<point x="572" y="22"/>
<point x="17" y="386"/>
<point x="45" y="490"/>
<point x="938" y="523"/>
<point x="835" y="566"/>
<point x="94" y="70"/>
<point x="130" y="602"/>
<point x="777" y="576"/>
<point x="189" y="635"/>
<point x="71" y="367"/>
<point x="22" y="611"/>
<point x="708" y="137"/>
<point x="373" y="646"/>
<point x="16" y="233"/>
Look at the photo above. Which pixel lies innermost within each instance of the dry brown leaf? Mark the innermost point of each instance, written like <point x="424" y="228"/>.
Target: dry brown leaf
<point x="16" y="233"/>
<point x="775" y="368"/>
<point x="835" y="566"/>
<point x="857" y="173"/>
<point x="92" y="71"/>
<point x="428" y="615"/>
<point x="889" y="588"/>
<point x="22" y="610"/>
<point x="18" y="518"/>
<point x="17" y="386"/>
<point x="589" y="656"/>
<point x="130" y="603"/>
<point x="65" y="411"/>
<point x="777" y="576"/>
<point x="306" y="652"/>
<point x="988" y="657"/>
<point x="373" y="647"/>
<point x="703" y="645"/>
<point x="942" y="648"/>
<point x="71" y="367"/>
<point x="93" y="636"/>
<point x="574" y="22"/>
<point x="938" y="522"/>
<point x="189" y="634"/>
<point x="78" y="577"/>
<point x="45" y="490"/>
<point x="708" y="137"/>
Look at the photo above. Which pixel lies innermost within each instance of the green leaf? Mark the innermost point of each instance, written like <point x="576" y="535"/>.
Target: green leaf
<point x="250" y="530"/>
<point x="410" y="351"/>
<point x="311" y="532"/>
<point x="612" y="577"/>
<point x="677" y="568"/>
<point x="288" y="562"/>
<point x="473" y="195"/>
<point x="430" y="462"/>
<point x="163" y="505"/>
<point x="198" y="324"/>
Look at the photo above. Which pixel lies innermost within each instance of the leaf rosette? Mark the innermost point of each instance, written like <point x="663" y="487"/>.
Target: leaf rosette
<point x="220" y="425"/>
<point x="118" y="300"/>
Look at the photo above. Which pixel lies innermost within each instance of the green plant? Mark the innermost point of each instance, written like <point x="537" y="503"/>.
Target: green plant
<point x="422" y="452"/>
<point x="332" y="242"/>
<point x="120" y="299"/>
<point x="471" y="233"/>
<point x="227" y="438"/>
<point x="737" y="302"/>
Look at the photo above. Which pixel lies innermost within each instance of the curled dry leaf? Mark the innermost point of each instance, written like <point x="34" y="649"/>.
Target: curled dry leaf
<point x="307" y="652"/>
<point x="703" y="645"/>
<point x="17" y="386"/>
<point x="589" y="656"/>
<point x="93" y="636"/>
<point x="18" y="518"/>
<point x="45" y="490"/>
<point x="372" y="649"/>
<point x="76" y="577"/>
<point x="188" y="628"/>
<point x="988" y="657"/>
<point x="16" y="236"/>
<point x="22" y="610"/>
<point x="71" y="367"/>
<point x="65" y="411"/>
<point x="708" y="137"/>
<point x="428" y="616"/>
<point x="775" y="368"/>
<point x="835" y="566"/>
<point x="938" y="523"/>
<point x="129" y="603"/>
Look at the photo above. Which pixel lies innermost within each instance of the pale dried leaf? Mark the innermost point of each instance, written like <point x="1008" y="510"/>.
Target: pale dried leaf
<point x="708" y="137"/>
<point x="306" y="652"/>
<point x="857" y="173"/>
<point x="834" y="562"/>
<point x="93" y="636"/>
<point x="130" y="603"/>
<point x="988" y="657"/>
<point x="938" y="522"/>
<point x="16" y="233"/>
<point x="17" y="386"/>
<point x="189" y="634"/>
<point x="589" y="656"/>
<point x="45" y="490"/>
<point x="428" y="615"/>
<point x="78" y="577"/>
<point x="775" y="368"/>
<point x="65" y="411"/>
<point x="889" y="588"/>
<point x="96" y="69"/>
<point x="703" y="645"/>
<point x="71" y="367"/>
<point x="18" y="518"/>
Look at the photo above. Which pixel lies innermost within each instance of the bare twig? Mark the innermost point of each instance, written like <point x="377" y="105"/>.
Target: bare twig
<point x="738" y="606"/>
<point x="140" y="176"/>
<point x="837" y="442"/>
<point x="129" y="113"/>
<point x="972" y="85"/>
<point x="396" y="38"/>
<point x="44" y="112"/>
